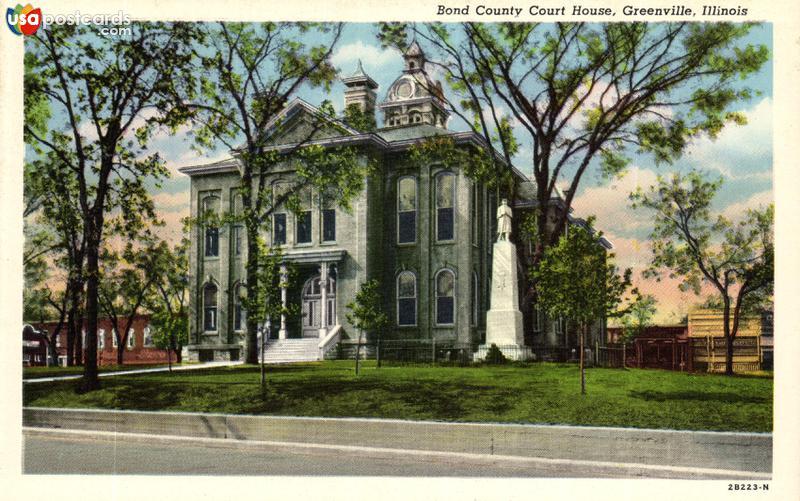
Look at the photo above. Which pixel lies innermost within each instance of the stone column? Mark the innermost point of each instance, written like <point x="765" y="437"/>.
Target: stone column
<point x="284" y="278"/>
<point x="323" y="310"/>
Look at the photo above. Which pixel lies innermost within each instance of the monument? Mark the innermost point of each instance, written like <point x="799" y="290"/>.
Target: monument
<point x="504" y="319"/>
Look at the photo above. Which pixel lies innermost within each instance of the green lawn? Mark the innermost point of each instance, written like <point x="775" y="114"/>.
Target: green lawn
<point x="537" y="393"/>
<point x="36" y="372"/>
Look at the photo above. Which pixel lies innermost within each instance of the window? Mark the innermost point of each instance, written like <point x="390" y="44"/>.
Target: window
<point x="474" y="214"/>
<point x="147" y="336"/>
<point x="239" y="314"/>
<point x="279" y="229"/>
<point x="237" y="232"/>
<point x="304" y="227"/>
<point x="83" y="338"/>
<point x="407" y="210"/>
<point x="445" y="197"/>
<point x="210" y="208"/>
<point x="406" y="298"/>
<point x="303" y="218"/>
<point x="101" y="339"/>
<point x="445" y="298"/>
<point x="131" y="338"/>
<point x="114" y="341"/>
<point x="238" y="244"/>
<point x="475" y="302"/>
<point x="328" y="225"/>
<point x="210" y="307"/>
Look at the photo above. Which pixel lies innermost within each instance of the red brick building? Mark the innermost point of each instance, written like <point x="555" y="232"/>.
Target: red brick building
<point x="139" y="348"/>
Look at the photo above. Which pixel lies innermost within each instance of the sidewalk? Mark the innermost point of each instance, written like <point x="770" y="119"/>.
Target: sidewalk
<point x="686" y="453"/>
<point x="205" y="365"/>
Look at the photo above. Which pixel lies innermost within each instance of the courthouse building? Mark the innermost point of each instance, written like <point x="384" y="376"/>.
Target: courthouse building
<point x="425" y="232"/>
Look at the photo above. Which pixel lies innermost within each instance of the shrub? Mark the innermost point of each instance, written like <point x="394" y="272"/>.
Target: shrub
<point x="494" y="356"/>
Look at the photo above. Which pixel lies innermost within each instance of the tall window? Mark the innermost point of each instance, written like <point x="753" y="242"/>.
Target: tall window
<point x="328" y="225"/>
<point x="239" y="315"/>
<point x="101" y="339"/>
<point x="279" y="229"/>
<point x="303" y="218"/>
<point x="445" y="213"/>
<point x="474" y="214"/>
<point x="406" y="210"/>
<point x="147" y="336"/>
<point x="238" y="229"/>
<point x="406" y="298"/>
<point x="445" y="297"/>
<point x="278" y="217"/>
<point x="475" y="303"/>
<point x="114" y="341"/>
<point x="131" y="338"/>
<point x="210" y="307"/>
<point x="210" y="209"/>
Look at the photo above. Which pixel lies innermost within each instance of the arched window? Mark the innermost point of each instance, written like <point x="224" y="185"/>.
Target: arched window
<point x="211" y="242"/>
<point x="406" y="298"/>
<point x="239" y="313"/>
<point x="238" y="229"/>
<point x="303" y="218"/>
<point x="131" y="338"/>
<point x="101" y="339"/>
<point x="279" y="214"/>
<point x="475" y="303"/>
<point x="147" y="336"/>
<point x="210" y="307"/>
<point x="406" y="210"/>
<point x="445" y="297"/>
<point x="445" y="206"/>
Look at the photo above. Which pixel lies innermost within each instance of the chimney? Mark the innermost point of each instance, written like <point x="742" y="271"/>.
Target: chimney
<point x="360" y="91"/>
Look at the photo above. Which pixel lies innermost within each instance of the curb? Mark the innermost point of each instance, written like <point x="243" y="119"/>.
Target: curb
<point x="722" y="452"/>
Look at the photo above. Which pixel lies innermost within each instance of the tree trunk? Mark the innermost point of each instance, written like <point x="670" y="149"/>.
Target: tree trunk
<point x="583" y="368"/>
<point x="251" y="341"/>
<point x="70" y="339"/>
<point x="90" y="380"/>
<point x="358" y="350"/>
<point x="726" y="329"/>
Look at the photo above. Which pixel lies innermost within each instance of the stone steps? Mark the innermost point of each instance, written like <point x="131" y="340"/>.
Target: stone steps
<point x="291" y="350"/>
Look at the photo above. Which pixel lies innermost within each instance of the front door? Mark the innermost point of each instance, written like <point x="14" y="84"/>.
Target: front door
<point x="312" y="306"/>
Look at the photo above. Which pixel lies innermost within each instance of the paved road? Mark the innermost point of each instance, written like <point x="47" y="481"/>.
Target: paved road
<point x="76" y="455"/>
<point x="65" y="452"/>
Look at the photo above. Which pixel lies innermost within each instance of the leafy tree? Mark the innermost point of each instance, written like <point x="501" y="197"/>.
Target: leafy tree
<point x="583" y="96"/>
<point x="577" y="280"/>
<point x="128" y="278"/>
<point x="639" y="316"/>
<point x="248" y="73"/>
<point x="168" y="300"/>
<point x="697" y="246"/>
<point x="107" y="96"/>
<point x="367" y="313"/>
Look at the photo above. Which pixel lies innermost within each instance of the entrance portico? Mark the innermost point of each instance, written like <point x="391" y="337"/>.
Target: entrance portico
<point x="318" y="296"/>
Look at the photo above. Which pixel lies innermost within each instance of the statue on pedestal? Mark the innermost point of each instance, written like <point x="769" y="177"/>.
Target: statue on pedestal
<point x="504" y="221"/>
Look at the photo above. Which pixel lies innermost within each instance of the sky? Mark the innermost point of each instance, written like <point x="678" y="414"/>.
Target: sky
<point x="742" y="155"/>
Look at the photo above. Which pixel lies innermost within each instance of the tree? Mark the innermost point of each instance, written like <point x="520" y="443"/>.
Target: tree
<point x="366" y="313"/>
<point x="249" y="73"/>
<point x="577" y="280"/>
<point x="167" y="300"/>
<point x="697" y="246"/>
<point x="639" y="316"/>
<point x="581" y="95"/>
<point x="108" y="95"/>
<point x="128" y="278"/>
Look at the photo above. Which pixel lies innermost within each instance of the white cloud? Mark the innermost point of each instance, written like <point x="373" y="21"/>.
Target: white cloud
<point x="609" y="203"/>
<point x="740" y="152"/>
<point x="373" y="57"/>
<point x="736" y="211"/>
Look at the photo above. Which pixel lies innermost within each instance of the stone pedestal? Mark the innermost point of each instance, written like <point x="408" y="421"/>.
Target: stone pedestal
<point x="504" y="320"/>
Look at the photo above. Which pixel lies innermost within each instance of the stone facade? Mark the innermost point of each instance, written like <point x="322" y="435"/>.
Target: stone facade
<point x="425" y="232"/>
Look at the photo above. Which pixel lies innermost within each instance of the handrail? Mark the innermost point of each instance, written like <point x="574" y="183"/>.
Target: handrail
<point x="329" y="341"/>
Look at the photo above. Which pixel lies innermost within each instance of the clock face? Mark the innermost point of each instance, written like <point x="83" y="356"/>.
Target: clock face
<point x="405" y="89"/>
